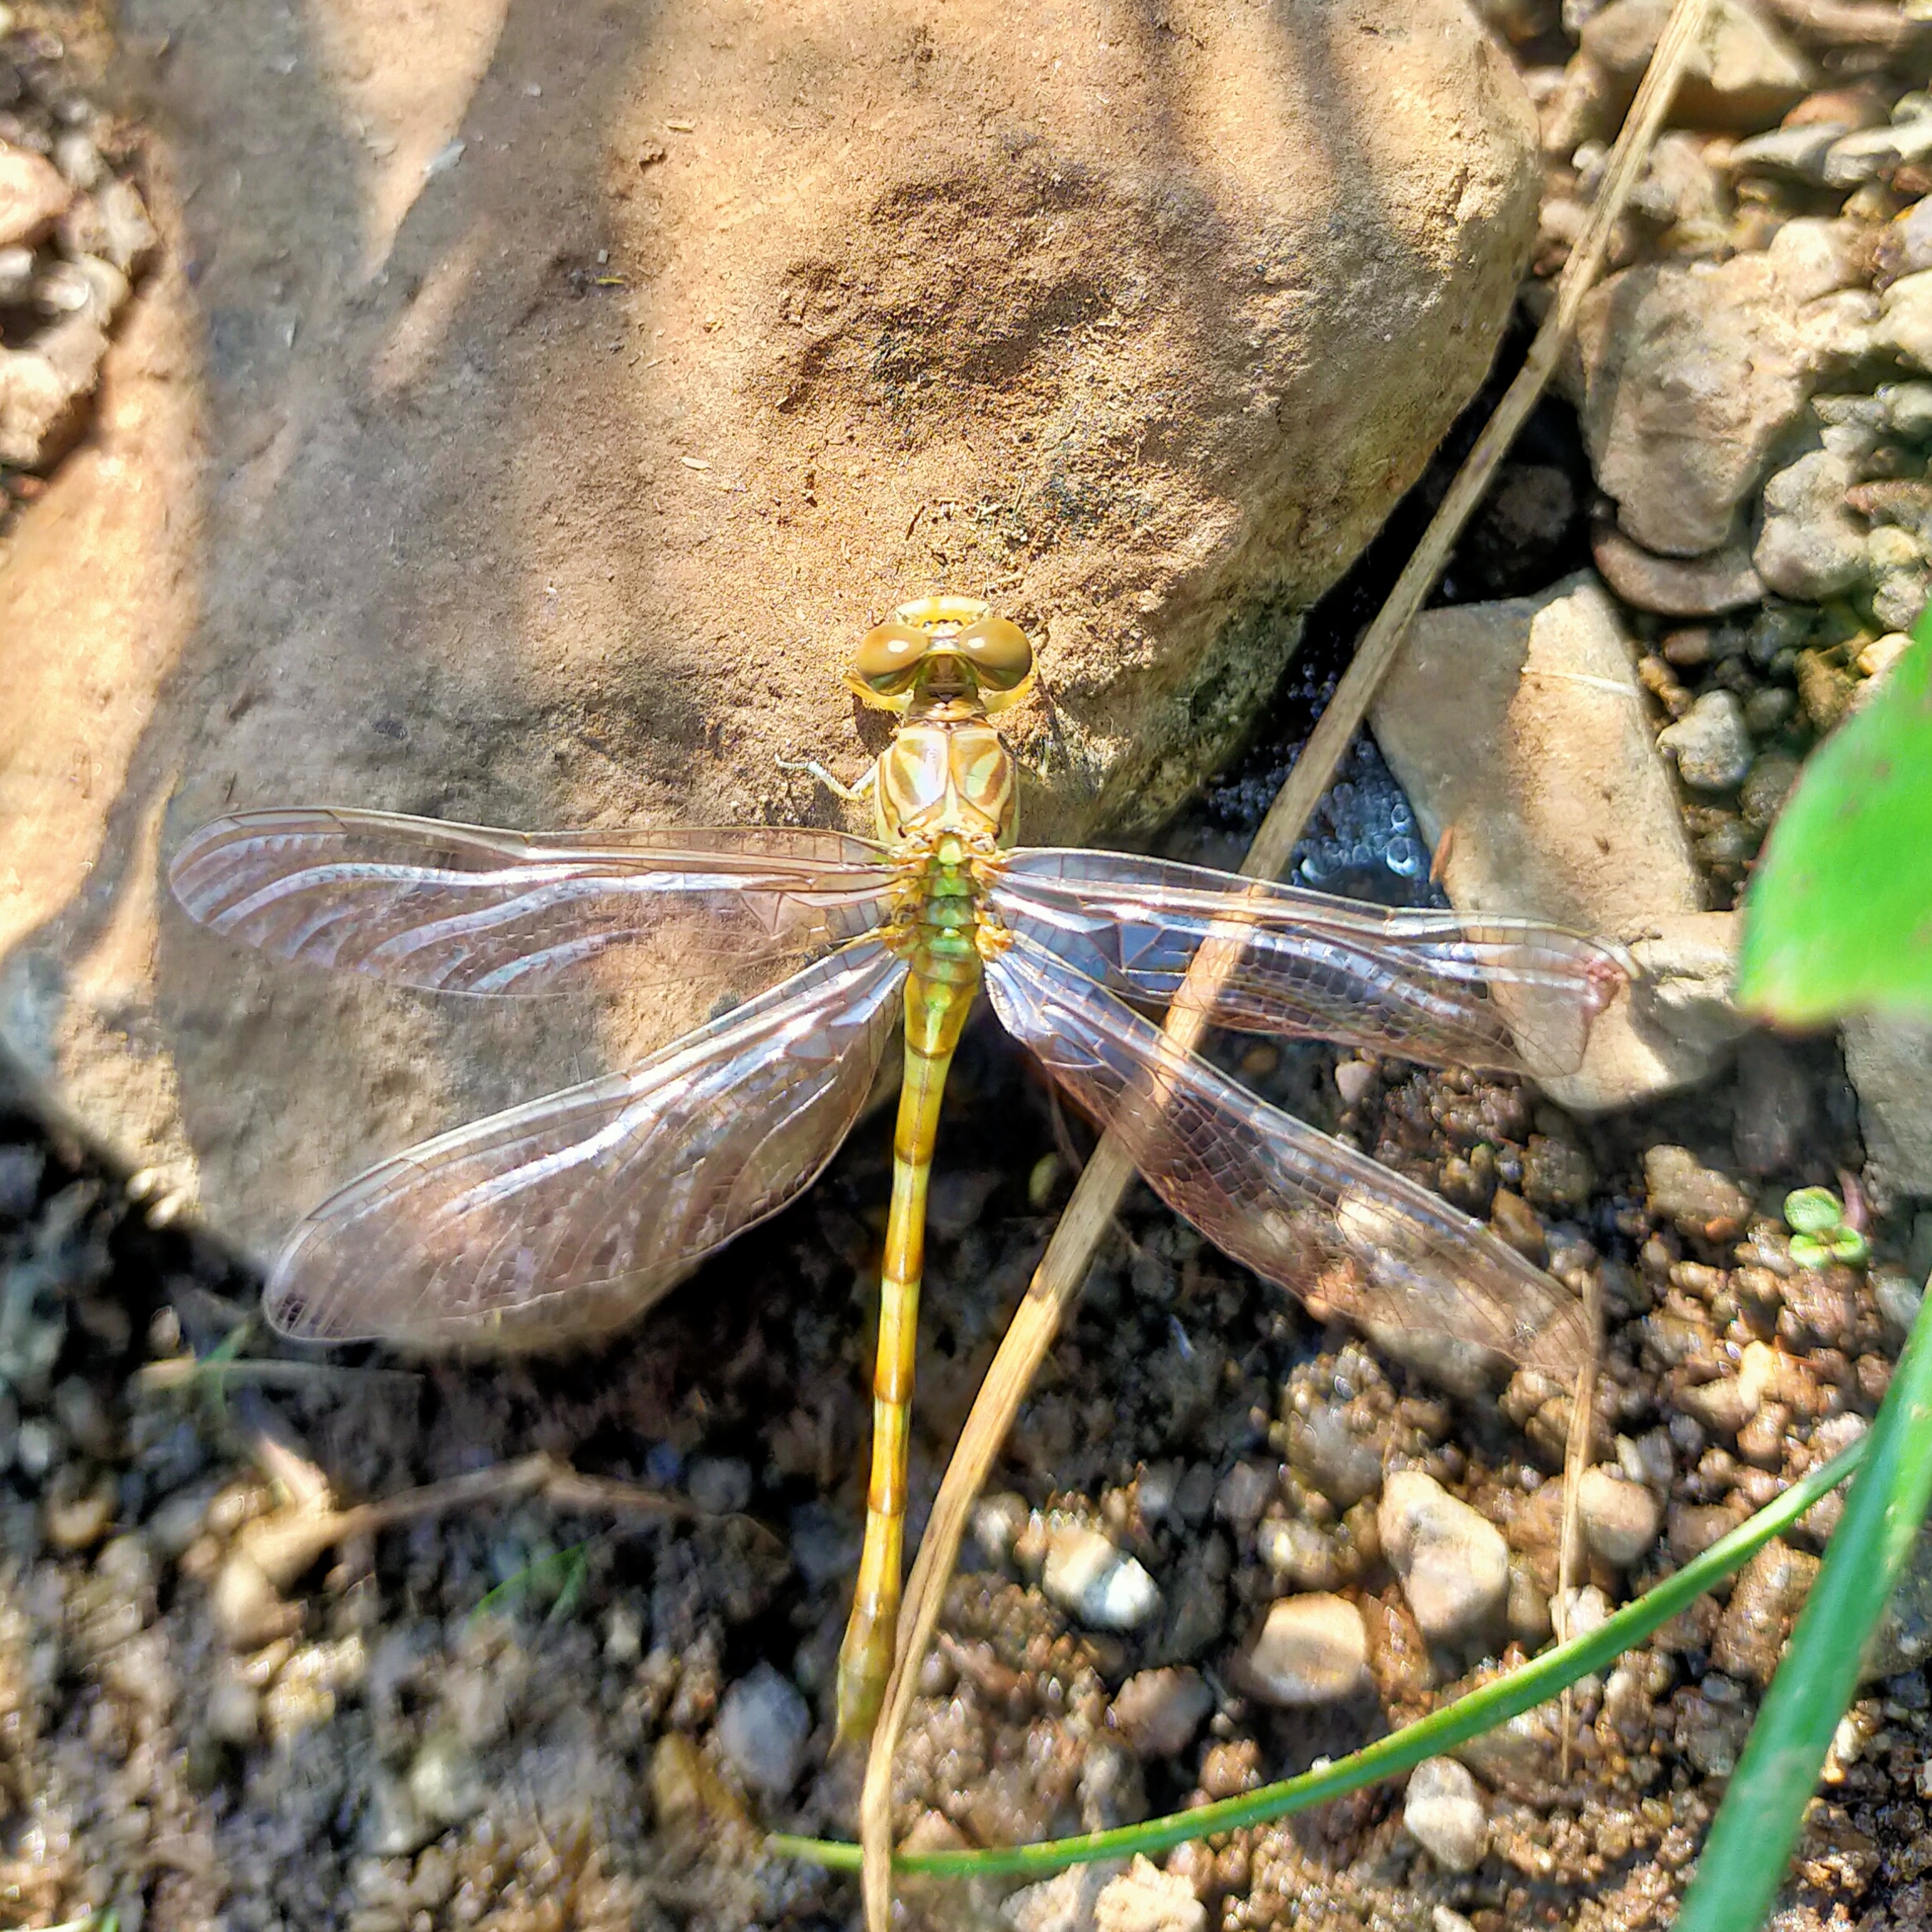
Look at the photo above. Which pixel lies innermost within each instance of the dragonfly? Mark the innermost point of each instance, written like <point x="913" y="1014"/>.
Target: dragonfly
<point x="564" y="1219"/>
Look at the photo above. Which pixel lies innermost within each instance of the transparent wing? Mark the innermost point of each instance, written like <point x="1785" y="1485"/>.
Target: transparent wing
<point x="1299" y="1208"/>
<point x="566" y="1217"/>
<point x="461" y="909"/>
<point x="1508" y="994"/>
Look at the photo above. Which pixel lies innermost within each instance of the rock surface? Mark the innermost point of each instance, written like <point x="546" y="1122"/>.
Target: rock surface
<point x="1521" y="725"/>
<point x="553" y="464"/>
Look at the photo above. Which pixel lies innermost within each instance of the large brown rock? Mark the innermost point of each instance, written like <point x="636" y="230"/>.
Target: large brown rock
<point x="558" y="393"/>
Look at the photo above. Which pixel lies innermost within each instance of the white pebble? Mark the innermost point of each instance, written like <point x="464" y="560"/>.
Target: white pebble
<point x="1312" y="1650"/>
<point x="1620" y="1518"/>
<point x="1145" y="1898"/>
<point x="1452" y="1561"/>
<point x="1443" y="1811"/>
<point x="761" y="1729"/>
<point x="1093" y="1582"/>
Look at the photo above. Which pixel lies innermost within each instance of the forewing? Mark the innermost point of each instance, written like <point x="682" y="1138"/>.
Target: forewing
<point x="566" y="1217"/>
<point x="1507" y="994"/>
<point x="1299" y="1208"/>
<point x="463" y="909"/>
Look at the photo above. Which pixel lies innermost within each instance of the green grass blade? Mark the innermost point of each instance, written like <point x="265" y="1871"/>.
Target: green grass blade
<point x="1838" y="917"/>
<point x="1468" y="1716"/>
<point x="1751" y="1841"/>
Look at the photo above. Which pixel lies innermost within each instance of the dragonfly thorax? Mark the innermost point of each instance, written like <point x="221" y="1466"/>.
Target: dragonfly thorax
<point x="944" y="775"/>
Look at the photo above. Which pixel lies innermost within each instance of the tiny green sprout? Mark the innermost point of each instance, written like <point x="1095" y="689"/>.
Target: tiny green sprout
<point x="1850" y="1247"/>
<point x="1813" y="1211"/>
<point x="1820" y="1233"/>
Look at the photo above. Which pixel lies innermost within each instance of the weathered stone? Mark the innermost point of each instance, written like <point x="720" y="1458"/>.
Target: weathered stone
<point x="1145" y="1898"/>
<point x="1327" y="1455"/>
<point x="763" y="1725"/>
<point x="1876" y="150"/>
<point x="1766" y="787"/>
<point x="1620" y="1519"/>
<point x="1906" y="247"/>
<point x="1905" y="318"/>
<point x="1522" y="724"/>
<point x="1697" y="1199"/>
<point x="1159" y="1711"/>
<point x="46" y="391"/>
<point x="1812" y="549"/>
<point x="1696" y="586"/>
<point x="1794" y="154"/>
<point x="1092" y="1580"/>
<point x="1071" y="314"/>
<point x="1767" y="1596"/>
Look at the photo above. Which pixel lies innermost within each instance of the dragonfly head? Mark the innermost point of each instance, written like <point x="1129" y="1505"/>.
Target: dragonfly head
<point x="943" y="651"/>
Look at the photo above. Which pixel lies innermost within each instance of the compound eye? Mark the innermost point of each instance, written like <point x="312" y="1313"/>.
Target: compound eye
<point x="997" y="649"/>
<point x="888" y="656"/>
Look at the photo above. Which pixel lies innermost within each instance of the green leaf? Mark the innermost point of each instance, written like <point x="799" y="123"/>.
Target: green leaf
<point x="1812" y="1210"/>
<point x="1838" y="918"/>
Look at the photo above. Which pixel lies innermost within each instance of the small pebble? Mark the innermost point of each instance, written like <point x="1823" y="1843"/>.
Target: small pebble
<point x="1443" y="1811"/>
<point x="1244" y="1493"/>
<point x="1709" y="744"/>
<point x="1452" y="1561"/>
<point x="720" y="1485"/>
<point x="37" y="1446"/>
<point x="392" y="1827"/>
<point x="80" y="1513"/>
<point x="1298" y="1553"/>
<point x="1353" y="1078"/>
<point x="1095" y="1583"/>
<point x="1312" y="1650"/>
<point x="1620" y="1519"/>
<point x="998" y="1520"/>
<point x="1159" y="1711"/>
<point x="1762" y="794"/>
<point x="1145" y="1898"/>
<point x="234" y="1712"/>
<point x="1699" y="1200"/>
<point x="1765" y="1601"/>
<point x="445" y="1781"/>
<point x="763" y="1726"/>
<point x="249" y="1610"/>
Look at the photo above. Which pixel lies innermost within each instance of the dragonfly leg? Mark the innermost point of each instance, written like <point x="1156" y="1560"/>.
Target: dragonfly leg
<point x="852" y="794"/>
<point x="934" y="1012"/>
